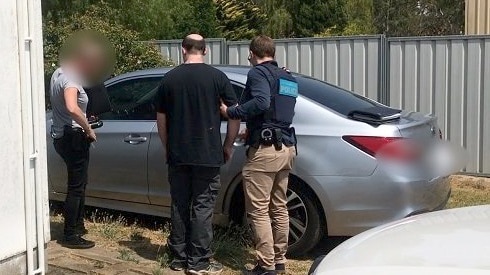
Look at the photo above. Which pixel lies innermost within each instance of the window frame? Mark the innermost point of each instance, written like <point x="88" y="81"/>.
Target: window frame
<point x="128" y="79"/>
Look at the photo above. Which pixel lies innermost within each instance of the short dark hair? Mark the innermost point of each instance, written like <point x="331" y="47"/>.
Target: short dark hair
<point x="194" y="46"/>
<point x="263" y="46"/>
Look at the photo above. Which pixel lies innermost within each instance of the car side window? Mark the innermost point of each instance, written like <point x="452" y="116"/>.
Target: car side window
<point x="333" y="97"/>
<point x="133" y="99"/>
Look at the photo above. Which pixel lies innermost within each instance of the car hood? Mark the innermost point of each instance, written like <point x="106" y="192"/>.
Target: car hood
<point x="403" y="270"/>
<point x="454" y="239"/>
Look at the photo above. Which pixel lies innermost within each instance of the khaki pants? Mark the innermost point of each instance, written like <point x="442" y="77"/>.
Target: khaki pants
<point x="265" y="175"/>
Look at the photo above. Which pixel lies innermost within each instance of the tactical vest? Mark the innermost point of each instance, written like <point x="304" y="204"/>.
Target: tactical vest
<point x="284" y="91"/>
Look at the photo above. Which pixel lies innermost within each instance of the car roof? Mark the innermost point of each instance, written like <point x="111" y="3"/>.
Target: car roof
<point x="234" y="72"/>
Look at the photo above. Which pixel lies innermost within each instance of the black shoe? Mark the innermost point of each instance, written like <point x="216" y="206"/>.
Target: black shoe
<point x="280" y="269"/>
<point x="258" y="270"/>
<point x="178" y="265"/>
<point x="77" y="242"/>
<point x="212" y="269"/>
<point x="82" y="231"/>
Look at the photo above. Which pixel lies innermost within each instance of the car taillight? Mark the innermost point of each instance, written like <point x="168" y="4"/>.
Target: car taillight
<point x="388" y="148"/>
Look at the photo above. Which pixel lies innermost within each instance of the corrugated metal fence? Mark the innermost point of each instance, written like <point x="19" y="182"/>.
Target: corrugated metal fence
<point x="172" y="50"/>
<point x="445" y="76"/>
<point x="351" y="63"/>
<point x="448" y="77"/>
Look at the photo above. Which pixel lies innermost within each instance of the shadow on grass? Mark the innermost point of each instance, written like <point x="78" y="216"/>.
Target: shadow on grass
<point x="146" y="249"/>
<point x="232" y="246"/>
<point x="326" y="245"/>
<point x="56" y="229"/>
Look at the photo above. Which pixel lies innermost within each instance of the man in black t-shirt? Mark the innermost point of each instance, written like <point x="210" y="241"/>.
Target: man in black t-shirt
<point x="189" y="122"/>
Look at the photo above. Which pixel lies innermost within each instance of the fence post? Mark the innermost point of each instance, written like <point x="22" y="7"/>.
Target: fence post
<point x="224" y="51"/>
<point x="384" y="61"/>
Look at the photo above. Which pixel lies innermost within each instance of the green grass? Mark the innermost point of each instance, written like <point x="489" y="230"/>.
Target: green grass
<point x="469" y="191"/>
<point x="127" y="255"/>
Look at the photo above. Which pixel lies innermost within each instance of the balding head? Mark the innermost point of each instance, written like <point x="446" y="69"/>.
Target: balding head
<point x="194" y="44"/>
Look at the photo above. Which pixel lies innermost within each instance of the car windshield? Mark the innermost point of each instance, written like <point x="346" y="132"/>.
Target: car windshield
<point x="332" y="97"/>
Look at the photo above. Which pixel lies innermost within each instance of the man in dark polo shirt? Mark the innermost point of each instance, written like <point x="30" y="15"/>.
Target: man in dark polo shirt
<point x="189" y="122"/>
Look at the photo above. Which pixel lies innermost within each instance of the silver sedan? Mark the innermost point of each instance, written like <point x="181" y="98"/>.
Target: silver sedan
<point x="357" y="166"/>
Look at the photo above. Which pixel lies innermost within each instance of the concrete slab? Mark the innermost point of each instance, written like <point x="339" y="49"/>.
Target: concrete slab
<point x="97" y="261"/>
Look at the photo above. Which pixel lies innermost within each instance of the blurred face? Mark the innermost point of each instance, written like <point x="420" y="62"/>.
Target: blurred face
<point x="91" y="65"/>
<point x="90" y="56"/>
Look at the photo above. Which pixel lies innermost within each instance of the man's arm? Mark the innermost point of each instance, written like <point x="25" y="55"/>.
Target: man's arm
<point x="161" y="107"/>
<point x="228" y="98"/>
<point x="162" y="128"/>
<point x="260" y="102"/>
<point x="71" y="102"/>
<point x="233" y="127"/>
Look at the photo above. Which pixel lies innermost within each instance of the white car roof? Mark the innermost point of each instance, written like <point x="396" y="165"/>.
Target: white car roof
<point x="454" y="240"/>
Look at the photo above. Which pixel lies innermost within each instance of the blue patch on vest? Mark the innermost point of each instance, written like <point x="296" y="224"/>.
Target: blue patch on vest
<point x="288" y="88"/>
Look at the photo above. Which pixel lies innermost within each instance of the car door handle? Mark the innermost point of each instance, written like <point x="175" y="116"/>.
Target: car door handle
<point x="135" y="139"/>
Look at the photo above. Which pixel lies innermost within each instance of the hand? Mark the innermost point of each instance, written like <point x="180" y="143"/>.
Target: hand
<point x="243" y="135"/>
<point x="228" y="152"/>
<point x="91" y="135"/>
<point x="223" y="108"/>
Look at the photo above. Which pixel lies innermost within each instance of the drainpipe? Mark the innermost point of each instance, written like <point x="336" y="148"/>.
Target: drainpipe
<point x="34" y="216"/>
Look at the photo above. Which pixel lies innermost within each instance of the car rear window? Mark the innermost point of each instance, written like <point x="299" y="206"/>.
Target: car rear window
<point x="332" y="97"/>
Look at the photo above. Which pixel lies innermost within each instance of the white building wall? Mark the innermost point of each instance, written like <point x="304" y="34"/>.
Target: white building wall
<point x="24" y="213"/>
<point x="12" y="217"/>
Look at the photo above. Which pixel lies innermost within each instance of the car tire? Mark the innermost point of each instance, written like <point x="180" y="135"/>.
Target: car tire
<point x="304" y="211"/>
<point x="310" y="216"/>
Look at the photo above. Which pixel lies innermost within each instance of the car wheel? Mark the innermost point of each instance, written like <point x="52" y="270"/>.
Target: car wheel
<point x="305" y="223"/>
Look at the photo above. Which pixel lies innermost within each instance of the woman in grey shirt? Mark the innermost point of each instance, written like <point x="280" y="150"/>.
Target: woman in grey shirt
<point x="72" y="134"/>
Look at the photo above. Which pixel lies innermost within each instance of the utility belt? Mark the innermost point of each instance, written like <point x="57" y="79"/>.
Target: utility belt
<point x="273" y="137"/>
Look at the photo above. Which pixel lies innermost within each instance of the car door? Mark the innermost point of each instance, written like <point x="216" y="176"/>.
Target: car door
<point x="118" y="165"/>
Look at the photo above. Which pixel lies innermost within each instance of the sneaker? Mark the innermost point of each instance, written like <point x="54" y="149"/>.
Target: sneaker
<point x="212" y="269"/>
<point x="258" y="270"/>
<point x="77" y="242"/>
<point x="280" y="269"/>
<point x="178" y="265"/>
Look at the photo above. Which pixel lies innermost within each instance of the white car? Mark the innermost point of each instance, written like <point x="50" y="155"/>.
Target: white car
<point x="454" y="241"/>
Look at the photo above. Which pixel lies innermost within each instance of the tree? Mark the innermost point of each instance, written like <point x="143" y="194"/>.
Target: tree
<point x="131" y="54"/>
<point x="239" y="19"/>
<point x="311" y="17"/>
<point x="360" y="17"/>
<point x="360" y="20"/>
<point x="152" y="19"/>
<point x="168" y="19"/>
<point x="419" y="17"/>
<point x="278" y="22"/>
<point x="55" y="10"/>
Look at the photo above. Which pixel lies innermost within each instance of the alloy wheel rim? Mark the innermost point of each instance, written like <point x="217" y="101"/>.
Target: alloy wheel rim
<point x="298" y="217"/>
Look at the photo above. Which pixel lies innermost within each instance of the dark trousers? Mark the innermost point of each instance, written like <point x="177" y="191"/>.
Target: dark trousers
<point x="194" y="190"/>
<point x="73" y="147"/>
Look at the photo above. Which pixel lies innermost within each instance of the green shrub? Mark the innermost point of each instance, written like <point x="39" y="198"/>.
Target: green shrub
<point x="131" y="53"/>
